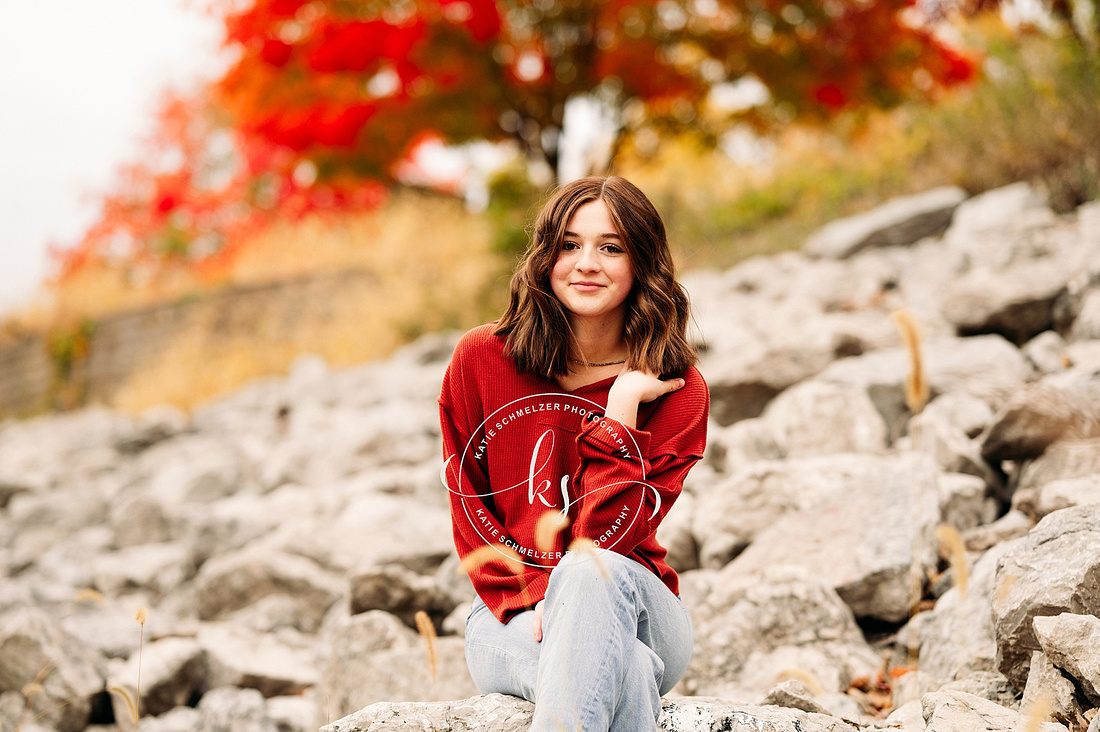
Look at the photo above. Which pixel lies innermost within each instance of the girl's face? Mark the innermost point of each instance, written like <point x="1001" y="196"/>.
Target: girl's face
<point x="593" y="274"/>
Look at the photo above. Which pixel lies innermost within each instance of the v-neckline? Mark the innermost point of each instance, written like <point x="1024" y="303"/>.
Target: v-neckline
<point x="583" y="386"/>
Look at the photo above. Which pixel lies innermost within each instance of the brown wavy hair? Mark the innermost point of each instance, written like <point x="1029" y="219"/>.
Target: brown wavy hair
<point x="536" y="324"/>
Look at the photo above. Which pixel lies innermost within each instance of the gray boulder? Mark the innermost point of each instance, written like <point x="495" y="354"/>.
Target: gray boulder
<point x="230" y="709"/>
<point x="987" y="367"/>
<point x="156" y="568"/>
<point x="820" y="418"/>
<point x="956" y="637"/>
<point x="1054" y="569"/>
<point x="1072" y="643"/>
<point x="373" y="656"/>
<point x="509" y="714"/>
<point x="1039" y="415"/>
<point x="793" y="694"/>
<point x="732" y="511"/>
<point x="172" y="674"/>
<point x="859" y="540"/>
<point x="752" y="628"/>
<point x="37" y="658"/>
<point x="898" y="222"/>
<point x="1017" y="303"/>
<point x="952" y="711"/>
<point x="398" y="591"/>
<point x="1086" y="326"/>
<point x="274" y="665"/>
<point x="1046" y="352"/>
<point x="1047" y="686"/>
<point x="234" y="581"/>
<point x="1059" y="494"/>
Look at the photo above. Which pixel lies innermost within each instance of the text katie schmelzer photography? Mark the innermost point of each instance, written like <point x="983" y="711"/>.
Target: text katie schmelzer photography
<point x="539" y="471"/>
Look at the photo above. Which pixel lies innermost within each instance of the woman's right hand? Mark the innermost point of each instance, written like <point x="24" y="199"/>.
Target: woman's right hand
<point x="537" y="621"/>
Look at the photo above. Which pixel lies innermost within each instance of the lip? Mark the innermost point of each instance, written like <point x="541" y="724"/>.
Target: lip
<point x="586" y="286"/>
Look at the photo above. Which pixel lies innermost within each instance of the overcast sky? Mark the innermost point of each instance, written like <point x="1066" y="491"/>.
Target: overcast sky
<point x="79" y="85"/>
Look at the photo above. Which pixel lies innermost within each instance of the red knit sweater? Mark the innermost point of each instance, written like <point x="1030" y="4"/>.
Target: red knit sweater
<point x="517" y="447"/>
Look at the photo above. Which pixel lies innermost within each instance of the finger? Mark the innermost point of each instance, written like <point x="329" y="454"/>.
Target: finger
<point x="673" y="384"/>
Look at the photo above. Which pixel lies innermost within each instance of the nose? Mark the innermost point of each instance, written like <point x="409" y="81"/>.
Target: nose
<point x="587" y="259"/>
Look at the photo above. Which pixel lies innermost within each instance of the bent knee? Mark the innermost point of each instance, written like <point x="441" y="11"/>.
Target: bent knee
<point x="595" y="566"/>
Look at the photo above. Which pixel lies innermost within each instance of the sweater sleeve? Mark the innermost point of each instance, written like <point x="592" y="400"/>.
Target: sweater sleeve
<point x="506" y="586"/>
<point x="630" y="478"/>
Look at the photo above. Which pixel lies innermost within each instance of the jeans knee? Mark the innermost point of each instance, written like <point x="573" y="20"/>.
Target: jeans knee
<point x="594" y="570"/>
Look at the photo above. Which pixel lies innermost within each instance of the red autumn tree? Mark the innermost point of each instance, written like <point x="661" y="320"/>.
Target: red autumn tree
<point x="327" y="96"/>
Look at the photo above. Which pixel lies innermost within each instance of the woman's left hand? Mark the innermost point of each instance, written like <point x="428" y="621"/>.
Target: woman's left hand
<point x="632" y="388"/>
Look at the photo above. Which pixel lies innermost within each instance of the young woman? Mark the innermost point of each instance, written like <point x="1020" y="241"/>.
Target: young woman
<point x="568" y="428"/>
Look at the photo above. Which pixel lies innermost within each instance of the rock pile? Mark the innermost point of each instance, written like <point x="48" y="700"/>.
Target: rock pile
<point x="281" y="540"/>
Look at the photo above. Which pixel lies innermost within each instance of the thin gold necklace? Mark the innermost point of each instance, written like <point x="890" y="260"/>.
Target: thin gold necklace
<point x="605" y="363"/>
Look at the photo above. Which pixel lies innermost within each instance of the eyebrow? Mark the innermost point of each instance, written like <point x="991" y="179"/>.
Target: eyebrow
<point x="611" y="235"/>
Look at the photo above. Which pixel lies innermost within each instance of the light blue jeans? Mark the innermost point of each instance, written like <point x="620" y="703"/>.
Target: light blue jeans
<point x="615" y="639"/>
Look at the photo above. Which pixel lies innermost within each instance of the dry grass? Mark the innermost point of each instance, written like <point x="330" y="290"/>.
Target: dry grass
<point x="953" y="549"/>
<point x="427" y="631"/>
<point x="917" y="389"/>
<point x="427" y="260"/>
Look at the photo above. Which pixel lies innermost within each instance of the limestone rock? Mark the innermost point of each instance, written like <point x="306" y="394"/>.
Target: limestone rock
<point x="1086" y="326"/>
<point x="180" y="719"/>
<point x="793" y="694"/>
<point x="1054" y="569"/>
<point x="820" y="418"/>
<point x="734" y="510"/>
<point x="1017" y="303"/>
<point x="775" y="617"/>
<point x="1012" y="525"/>
<point x="35" y="650"/>
<point x="155" y="424"/>
<point x="231" y="582"/>
<point x="956" y="637"/>
<point x="987" y="367"/>
<point x="899" y="222"/>
<point x="173" y="674"/>
<point x="1048" y="687"/>
<point x="293" y="713"/>
<point x="989" y="685"/>
<point x="1059" y="494"/>
<point x="675" y="534"/>
<point x="951" y="711"/>
<point x="741" y="387"/>
<point x="1072" y="643"/>
<point x="858" y="540"/>
<point x="1039" y="415"/>
<point x="273" y="665"/>
<point x="1062" y="460"/>
<point x="510" y="714"/>
<point x="159" y="568"/>
<point x="396" y="590"/>
<point x="372" y="657"/>
<point x="229" y="709"/>
<point x="1046" y="352"/>
<point x="995" y="228"/>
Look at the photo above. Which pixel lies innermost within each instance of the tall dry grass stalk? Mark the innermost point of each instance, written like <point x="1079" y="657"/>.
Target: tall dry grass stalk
<point x="1037" y="713"/>
<point x="427" y="631"/>
<point x="139" y="616"/>
<point x="916" y="382"/>
<point x="133" y="703"/>
<point x="916" y="396"/>
<point x="953" y="549"/>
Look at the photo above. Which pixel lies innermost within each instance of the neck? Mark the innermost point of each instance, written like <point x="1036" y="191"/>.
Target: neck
<point x="598" y="341"/>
